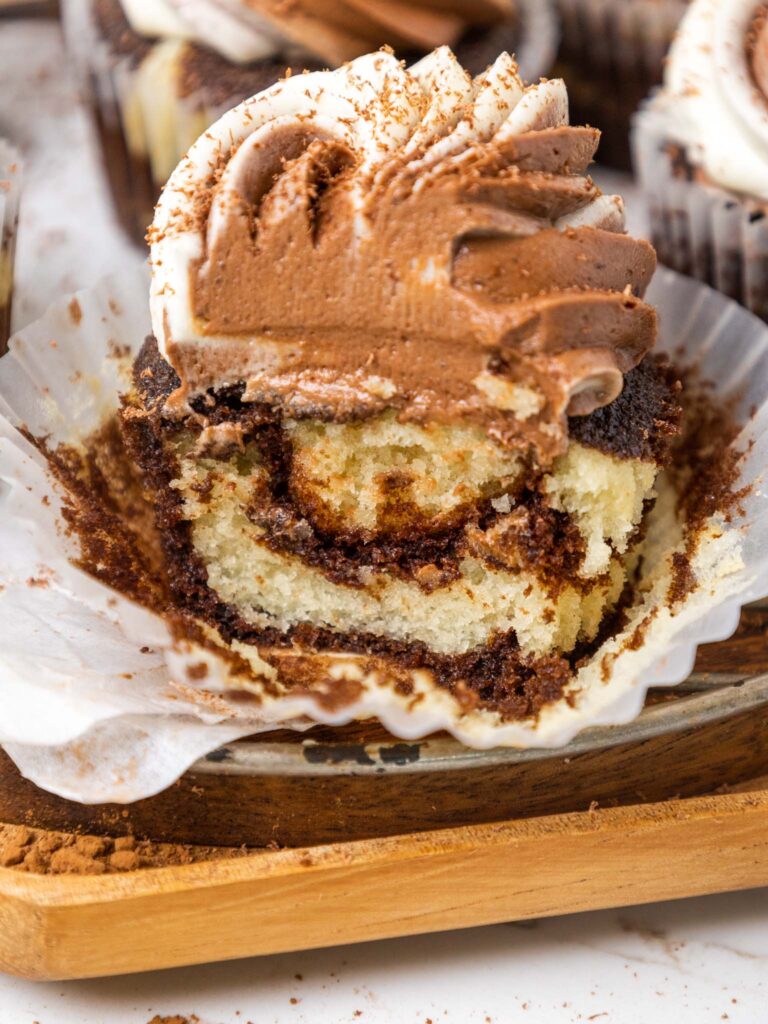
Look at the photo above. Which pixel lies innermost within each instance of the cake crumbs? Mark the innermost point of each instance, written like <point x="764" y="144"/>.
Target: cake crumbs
<point x="175" y="1018"/>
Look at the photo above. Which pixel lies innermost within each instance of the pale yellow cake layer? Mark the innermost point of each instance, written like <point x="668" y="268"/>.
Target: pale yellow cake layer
<point x="280" y="589"/>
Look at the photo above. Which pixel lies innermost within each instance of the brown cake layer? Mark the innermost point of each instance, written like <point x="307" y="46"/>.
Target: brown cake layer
<point x="205" y="72"/>
<point x="495" y="675"/>
<point x="120" y="553"/>
<point x="639" y="425"/>
<point x="220" y="81"/>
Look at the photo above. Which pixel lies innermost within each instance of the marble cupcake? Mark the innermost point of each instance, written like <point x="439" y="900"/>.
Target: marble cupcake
<point x="701" y="151"/>
<point x="159" y="71"/>
<point x="611" y="54"/>
<point x="400" y="410"/>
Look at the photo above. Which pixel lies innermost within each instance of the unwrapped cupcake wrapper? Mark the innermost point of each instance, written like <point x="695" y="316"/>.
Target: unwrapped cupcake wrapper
<point x="100" y="702"/>
<point x="10" y="190"/>
<point x="697" y="228"/>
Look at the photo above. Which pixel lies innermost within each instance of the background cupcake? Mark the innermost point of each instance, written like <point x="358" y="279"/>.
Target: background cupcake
<point x="611" y="54"/>
<point x="10" y="175"/>
<point x="159" y="73"/>
<point x="701" y="151"/>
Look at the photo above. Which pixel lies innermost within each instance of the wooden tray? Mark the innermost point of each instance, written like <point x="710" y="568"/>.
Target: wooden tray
<point x="618" y="818"/>
<point x="66" y="927"/>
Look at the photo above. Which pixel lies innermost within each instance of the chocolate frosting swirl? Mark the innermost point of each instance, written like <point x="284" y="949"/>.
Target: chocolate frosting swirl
<point x="440" y="250"/>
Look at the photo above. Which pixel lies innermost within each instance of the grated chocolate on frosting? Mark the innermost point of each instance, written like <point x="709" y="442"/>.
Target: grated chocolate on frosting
<point x="379" y="237"/>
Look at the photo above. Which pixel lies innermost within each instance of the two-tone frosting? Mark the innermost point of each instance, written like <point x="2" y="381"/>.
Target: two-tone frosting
<point x="331" y="30"/>
<point x="715" y="95"/>
<point x="379" y="237"/>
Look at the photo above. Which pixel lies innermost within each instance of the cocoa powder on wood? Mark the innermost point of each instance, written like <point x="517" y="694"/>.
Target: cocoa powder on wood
<point x="40" y="851"/>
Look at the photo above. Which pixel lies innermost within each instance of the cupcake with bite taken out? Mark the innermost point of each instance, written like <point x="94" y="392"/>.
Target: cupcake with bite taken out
<point x="396" y="437"/>
<point x="400" y="416"/>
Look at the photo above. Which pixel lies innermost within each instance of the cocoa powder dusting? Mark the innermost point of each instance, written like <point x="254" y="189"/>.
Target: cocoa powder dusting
<point x="41" y="852"/>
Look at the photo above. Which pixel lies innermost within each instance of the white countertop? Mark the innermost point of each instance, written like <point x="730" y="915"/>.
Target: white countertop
<point x="695" y="961"/>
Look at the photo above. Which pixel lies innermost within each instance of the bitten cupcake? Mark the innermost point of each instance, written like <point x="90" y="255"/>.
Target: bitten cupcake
<point x="398" y="443"/>
<point x="611" y="54"/>
<point x="10" y="182"/>
<point x="399" y="406"/>
<point x="701" y="151"/>
<point x="159" y="71"/>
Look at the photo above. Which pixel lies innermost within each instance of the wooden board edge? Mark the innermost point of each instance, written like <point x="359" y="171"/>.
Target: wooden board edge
<point x="64" y="927"/>
<point x="65" y="890"/>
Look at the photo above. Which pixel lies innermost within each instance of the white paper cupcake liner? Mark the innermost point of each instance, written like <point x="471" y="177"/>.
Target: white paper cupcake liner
<point x="98" y="700"/>
<point x="10" y="190"/>
<point x="699" y="229"/>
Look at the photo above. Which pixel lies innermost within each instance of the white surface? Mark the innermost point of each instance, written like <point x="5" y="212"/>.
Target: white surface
<point x="693" y="962"/>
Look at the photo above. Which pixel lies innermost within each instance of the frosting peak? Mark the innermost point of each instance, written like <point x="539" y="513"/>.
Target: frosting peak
<point x="376" y="237"/>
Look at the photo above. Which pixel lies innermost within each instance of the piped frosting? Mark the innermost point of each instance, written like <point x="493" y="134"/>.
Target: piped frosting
<point x="714" y="95"/>
<point x="379" y="237"/>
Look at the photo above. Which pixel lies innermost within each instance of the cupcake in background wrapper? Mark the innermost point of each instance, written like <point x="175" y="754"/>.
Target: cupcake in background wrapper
<point x="611" y="54"/>
<point x="10" y="185"/>
<point x="701" y="151"/>
<point x="156" y="75"/>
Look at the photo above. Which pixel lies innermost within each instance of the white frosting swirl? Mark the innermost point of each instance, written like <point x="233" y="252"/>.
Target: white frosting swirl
<point x="710" y="101"/>
<point x="227" y="26"/>
<point x="432" y="114"/>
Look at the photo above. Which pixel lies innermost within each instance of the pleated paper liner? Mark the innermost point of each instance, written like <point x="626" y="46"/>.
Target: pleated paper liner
<point x="611" y="55"/>
<point x="699" y="229"/>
